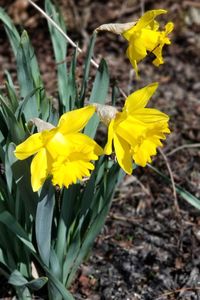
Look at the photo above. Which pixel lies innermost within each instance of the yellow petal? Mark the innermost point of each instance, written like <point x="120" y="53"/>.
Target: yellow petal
<point x="140" y="98"/>
<point x="159" y="58"/>
<point x="122" y="150"/>
<point x="80" y="139"/>
<point x="136" y="50"/>
<point x="162" y="41"/>
<point x="108" y="146"/>
<point x="75" y="120"/>
<point x="139" y="44"/>
<point x="131" y="129"/>
<point x="150" y="115"/>
<point x="29" y="147"/>
<point x="40" y="168"/>
<point x="154" y="25"/>
<point x="149" y="39"/>
<point x="169" y="27"/>
<point x="58" y="144"/>
<point x="149" y="17"/>
<point x="143" y="22"/>
<point x="132" y="60"/>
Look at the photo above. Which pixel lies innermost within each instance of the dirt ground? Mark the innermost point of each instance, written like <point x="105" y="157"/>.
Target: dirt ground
<point x="146" y="250"/>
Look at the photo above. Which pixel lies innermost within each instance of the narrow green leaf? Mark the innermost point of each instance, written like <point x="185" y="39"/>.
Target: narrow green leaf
<point x="8" y="255"/>
<point x="23" y="293"/>
<point x="72" y="88"/>
<point x="9" y="160"/>
<point x="22" y="177"/>
<point x="61" y="242"/>
<point x="54" y="264"/>
<point x="88" y="194"/>
<point x="68" y="208"/>
<point x="28" y="69"/>
<point x="43" y="221"/>
<point x="3" y="132"/>
<point x="60" y="52"/>
<point x="37" y="284"/>
<point x="86" y="71"/>
<point x="72" y="253"/>
<point x="25" y="265"/>
<point x="59" y="287"/>
<point x="101" y="84"/>
<point x="67" y="214"/>
<point x="7" y="219"/>
<point x="12" y="96"/>
<point x="5" y="264"/>
<point x="194" y="201"/>
<point x="10" y="30"/>
<point x="115" y="94"/>
<point x="98" y="95"/>
<point x="17" y="279"/>
<point x="15" y="130"/>
<point x="25" y="102"/>
<point x="25" y="77"/>
<point x="101" y="169"/>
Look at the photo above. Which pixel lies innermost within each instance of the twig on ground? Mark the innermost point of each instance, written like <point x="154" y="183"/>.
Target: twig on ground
<point x="145" y="190"/>
<point x="172" y="181"/>
<point x="125" y="219"/>
<point x="135" y="222"/>
<point x="191" y="3"/>
<point x="197" y="145"/>
<point x="178" y="291"/>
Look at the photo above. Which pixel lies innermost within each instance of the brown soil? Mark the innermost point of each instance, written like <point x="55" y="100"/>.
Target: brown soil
<point x="146" y="249"/>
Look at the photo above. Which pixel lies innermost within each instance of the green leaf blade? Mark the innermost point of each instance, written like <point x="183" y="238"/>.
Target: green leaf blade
<point x="43" y="221"/>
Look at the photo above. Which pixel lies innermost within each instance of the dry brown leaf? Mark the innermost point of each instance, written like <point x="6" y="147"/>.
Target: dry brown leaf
<point x="117" y="28"/>
<point x="41" y="125"/>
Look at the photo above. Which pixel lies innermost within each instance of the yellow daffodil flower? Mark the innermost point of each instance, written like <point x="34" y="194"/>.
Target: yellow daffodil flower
<point x="145" y="37"/>
<point x="62" y="151"/>
<point x="136" y="131"/>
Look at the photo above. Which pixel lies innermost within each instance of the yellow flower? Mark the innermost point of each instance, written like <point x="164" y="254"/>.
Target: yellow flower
<point x="136" y="131"/>
<point x="145" y="37"/>
<point x="62" y="152"/>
